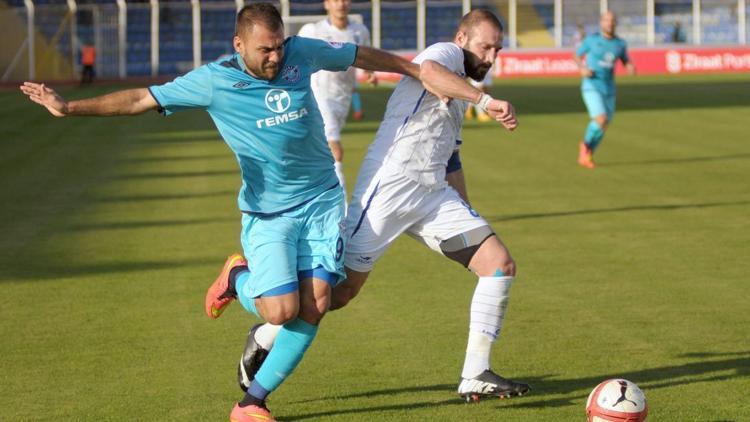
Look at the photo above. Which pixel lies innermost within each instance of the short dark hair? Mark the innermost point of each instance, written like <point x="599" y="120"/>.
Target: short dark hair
<point x="264" y="14"/>
<point x="477" y="16"/>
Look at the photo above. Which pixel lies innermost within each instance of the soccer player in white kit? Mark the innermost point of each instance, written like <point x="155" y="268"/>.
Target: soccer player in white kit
<point x="333" y="90"/>
<point x="411" y="182"/>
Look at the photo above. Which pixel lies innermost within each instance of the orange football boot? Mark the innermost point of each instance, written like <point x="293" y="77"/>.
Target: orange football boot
<point x="585" y="156"/>
<point x="250" y="413"/>
<point x="217" y="297"/>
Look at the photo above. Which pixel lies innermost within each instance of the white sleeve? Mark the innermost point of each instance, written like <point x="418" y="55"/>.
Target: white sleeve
<point x="307" y="31"/>
<point x="446" y="53"/>
<point x="365" y="36"/>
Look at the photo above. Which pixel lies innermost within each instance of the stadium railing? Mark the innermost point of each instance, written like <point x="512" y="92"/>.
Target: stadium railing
<point x="158" y="37"/>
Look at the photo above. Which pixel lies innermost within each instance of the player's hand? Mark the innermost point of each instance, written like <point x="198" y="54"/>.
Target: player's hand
<point x="47" y="97"/>
<point x="586" y="72"/>
<point x="504" y="113"/>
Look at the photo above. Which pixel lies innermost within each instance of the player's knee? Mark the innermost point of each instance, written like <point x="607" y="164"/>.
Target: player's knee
<point x="602" y="120"/>
<point x="280" y="315"/>
<point x="508" y="267"/>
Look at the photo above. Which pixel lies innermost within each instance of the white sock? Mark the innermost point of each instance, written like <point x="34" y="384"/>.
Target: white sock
<point x="487" y="314"/>
<point x="265" y="335"/>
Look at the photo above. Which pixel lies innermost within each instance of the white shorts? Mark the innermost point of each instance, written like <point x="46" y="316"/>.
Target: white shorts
<point x="334" y="116"/>
<point x="384" y="205"/>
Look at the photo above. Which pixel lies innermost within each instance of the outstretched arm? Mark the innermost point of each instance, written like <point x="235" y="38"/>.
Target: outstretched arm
<point x="126" y="102"/>
<point x="446" y="84"/>
<point x="382" y="61"/>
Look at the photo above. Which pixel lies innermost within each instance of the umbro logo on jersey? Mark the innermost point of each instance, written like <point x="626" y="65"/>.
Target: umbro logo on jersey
<point x="240" y="85"/>
<point x="335" y="44"/>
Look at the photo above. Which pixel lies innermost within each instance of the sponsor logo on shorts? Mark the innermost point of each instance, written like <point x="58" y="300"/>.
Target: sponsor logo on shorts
<point x="364" y="259"/>
<point x="335" y="44"/>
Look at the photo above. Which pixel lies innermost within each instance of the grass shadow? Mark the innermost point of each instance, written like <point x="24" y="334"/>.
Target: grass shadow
<point x="664" y="207"/>
<point x="572" y="389"/>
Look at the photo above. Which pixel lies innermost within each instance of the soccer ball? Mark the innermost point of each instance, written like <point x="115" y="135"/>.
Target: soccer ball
<point x="616" y="400"/>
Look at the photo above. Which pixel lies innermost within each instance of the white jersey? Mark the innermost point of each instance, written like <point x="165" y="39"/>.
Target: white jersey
<point x="419" y="132"/>
<point x="335" y="86"/>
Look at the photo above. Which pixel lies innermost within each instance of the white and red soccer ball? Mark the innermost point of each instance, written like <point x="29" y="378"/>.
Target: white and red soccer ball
<point x="616" y="400"/>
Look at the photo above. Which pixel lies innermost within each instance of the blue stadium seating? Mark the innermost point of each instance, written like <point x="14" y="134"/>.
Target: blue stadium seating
<point x="398" y="30"/>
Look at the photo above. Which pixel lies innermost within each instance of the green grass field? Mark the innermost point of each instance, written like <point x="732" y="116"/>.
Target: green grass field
<point x="113" y="228"/>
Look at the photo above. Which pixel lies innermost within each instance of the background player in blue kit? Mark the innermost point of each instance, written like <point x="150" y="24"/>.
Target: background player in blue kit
<point x="292" y="204"/>
<point x="601" y="51"/>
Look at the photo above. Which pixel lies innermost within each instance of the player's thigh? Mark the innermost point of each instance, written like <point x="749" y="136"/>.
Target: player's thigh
<point x="270" y="247"/>
<point x="378" y="213"/>
<point x="595" y="102"/>
<point x="320" y="246"/>
<point x="452" y="228"/>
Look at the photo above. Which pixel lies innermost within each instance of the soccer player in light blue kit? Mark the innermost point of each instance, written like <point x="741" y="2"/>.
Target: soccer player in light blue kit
<point x="292" y="204"/>
<point x="601" y="53"/>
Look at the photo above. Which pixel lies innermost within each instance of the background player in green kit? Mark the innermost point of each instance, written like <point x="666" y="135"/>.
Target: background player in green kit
<point x="601" y="51"/>
<point x="293" y="207"/>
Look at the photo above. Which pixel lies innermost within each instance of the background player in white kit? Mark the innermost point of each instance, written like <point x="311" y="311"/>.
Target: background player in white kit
<point x="411" y="181"/>
<point x="333" y="90"/>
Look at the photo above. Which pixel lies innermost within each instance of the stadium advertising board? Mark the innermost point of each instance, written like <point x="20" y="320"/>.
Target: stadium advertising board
<point x="649" y="61"/>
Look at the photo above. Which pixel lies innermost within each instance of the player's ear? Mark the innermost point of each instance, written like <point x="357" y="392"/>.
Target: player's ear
<point x="237" y="43"/>
<point x="461" y="38"/>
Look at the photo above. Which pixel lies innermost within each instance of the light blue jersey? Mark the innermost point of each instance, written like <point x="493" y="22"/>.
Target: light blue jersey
<point x="601" y="56"/>
<point x="273" y="127"/>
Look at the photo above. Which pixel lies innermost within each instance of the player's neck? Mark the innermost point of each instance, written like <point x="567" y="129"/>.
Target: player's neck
<point x="608" y="36"/>
<point x="339" y="23"/>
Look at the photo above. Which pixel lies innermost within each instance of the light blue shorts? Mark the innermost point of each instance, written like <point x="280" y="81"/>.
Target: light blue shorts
<point x="598" y="103"/>
<point x="304" y="242"/>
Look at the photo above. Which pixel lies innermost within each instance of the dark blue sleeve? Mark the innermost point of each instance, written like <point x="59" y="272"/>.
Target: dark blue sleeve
<point x="454" y="163"/>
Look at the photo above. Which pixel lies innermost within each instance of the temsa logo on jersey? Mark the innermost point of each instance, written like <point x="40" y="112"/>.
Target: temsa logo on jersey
<point x="280" y="119"/>
<point x="279" y="101"/>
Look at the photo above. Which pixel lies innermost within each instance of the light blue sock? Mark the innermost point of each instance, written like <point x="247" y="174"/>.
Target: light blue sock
<point x="594" y="135"/>
<point x="239" y="286"/>
<point x="291" y="343"/>
<point x="356" y="102"/>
